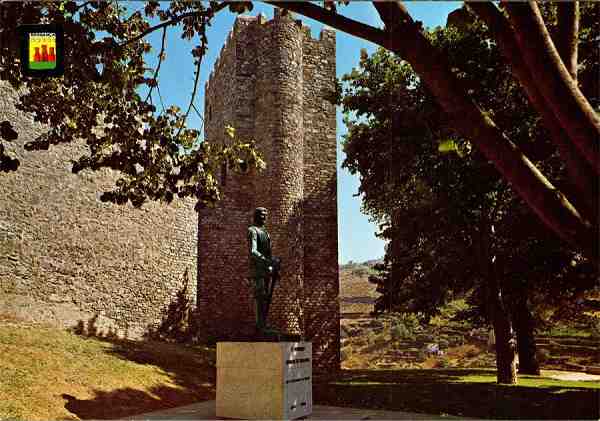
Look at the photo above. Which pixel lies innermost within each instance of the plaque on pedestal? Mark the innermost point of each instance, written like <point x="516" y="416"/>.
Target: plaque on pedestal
<point x="264" y="380"/>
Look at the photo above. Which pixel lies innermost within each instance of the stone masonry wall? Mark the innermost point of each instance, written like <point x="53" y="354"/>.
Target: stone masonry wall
<point x="221" y="231"/>
<point x="66" y="257"/>
<point x="320" y="198"/>
<point x="271" y="82"/>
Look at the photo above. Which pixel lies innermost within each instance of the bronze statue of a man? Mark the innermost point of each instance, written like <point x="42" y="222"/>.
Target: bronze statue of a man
<point x="263" y="267"/>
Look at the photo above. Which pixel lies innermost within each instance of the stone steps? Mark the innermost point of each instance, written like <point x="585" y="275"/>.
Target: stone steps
<point x="404" y="352"/>
<point x="592" y="369"/>
<point x="561" y="343"/>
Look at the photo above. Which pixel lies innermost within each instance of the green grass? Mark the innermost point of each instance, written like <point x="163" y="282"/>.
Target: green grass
<point x="42" y="65"/>
<point x="51" y="374"/>
<point x="530" y="381"/>
<point x="461" y="392"/>
<point x="560" y="331"/>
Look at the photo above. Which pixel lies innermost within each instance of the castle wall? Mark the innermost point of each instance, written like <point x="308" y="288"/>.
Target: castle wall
<point x="280" y="126"/>
<point x="320" y="198"/>
<point x="223" y="294"/>
<point x="66" y="257"/>
<point x="279" y="77"/>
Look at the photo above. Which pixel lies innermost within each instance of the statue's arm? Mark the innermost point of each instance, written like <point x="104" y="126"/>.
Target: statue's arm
<point x="253" y="241"/>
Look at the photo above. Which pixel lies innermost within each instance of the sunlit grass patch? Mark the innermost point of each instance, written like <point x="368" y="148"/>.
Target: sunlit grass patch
<point x="48" y="373"/>
<point x="531" y="381"/>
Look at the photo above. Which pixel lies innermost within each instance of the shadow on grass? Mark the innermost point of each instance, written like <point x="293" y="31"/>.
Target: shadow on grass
<point x="127" y="402"/>
<point x="447" y="392"/>
<point x="191" y="370"/>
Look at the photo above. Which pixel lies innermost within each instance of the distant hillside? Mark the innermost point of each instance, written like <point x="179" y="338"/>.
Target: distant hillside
<point x="368" y="263"/>
<point x="357" y="294"/>
<point x="373" y="262"/>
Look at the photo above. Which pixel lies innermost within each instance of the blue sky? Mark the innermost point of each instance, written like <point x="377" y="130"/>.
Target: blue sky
<point x="356" y="234"/>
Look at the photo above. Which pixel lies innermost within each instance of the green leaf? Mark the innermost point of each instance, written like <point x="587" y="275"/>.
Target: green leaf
<point x="173" y="109"/>
<point x="447" y="146"/>
<point x="230" y="131"/>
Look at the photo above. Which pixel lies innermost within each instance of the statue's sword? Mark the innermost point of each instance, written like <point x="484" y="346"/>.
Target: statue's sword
<point x="274" y="279"/>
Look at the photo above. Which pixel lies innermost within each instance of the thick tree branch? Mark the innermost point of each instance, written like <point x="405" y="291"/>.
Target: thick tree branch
<point x="584" y="180"/>
<point x="570" y="107"/>
<point x="333" y="19"/>
<point x="567" y="34"/>
<point x="406" y="39"/>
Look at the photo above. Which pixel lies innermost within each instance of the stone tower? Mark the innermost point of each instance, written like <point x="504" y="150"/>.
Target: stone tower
<point x="271" y="82"/>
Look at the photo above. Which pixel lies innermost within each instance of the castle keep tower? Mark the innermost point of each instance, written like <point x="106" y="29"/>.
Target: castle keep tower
<point x="271" y="82"/>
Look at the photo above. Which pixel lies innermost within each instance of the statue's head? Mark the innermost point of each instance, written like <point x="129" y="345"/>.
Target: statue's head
<point x="260" y="216"/>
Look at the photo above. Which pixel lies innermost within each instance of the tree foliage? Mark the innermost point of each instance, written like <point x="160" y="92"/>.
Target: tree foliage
<point x="98" y="101"/>
<point x="431" y="191"/>
<point x="455" y="225"/>
<point x="519" y="28"/>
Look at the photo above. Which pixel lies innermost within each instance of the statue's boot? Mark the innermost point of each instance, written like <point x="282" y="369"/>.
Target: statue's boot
<point x="271" y="334"/>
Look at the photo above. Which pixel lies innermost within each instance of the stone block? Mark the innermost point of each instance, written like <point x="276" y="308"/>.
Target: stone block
<point x="264" y="380"/>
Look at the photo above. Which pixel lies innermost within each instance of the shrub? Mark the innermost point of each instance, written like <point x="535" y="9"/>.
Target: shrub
<point x="360" y="341"/>
<point x="464" y="351"/>
<point x="595" y="327"/>
<point x="442" y="363"/>
<point x="361" y="271"/>
<point x="472" y="351"/>
<point x="429" y="362"/>
<point x="399" y="332"/>
<point x="542" y="355"/>
<point x="404" y="327"/>
<point x="379" y="339"/>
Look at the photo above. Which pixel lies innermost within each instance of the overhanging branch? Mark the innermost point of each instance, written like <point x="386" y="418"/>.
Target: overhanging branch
<point x="584" y="181"/>
<point x="570" y="106"/>
<point x="543" y="198"/>
<point x="206" y="14"/>
<point x="333" y="19"/>
<point x="404" y="37"/>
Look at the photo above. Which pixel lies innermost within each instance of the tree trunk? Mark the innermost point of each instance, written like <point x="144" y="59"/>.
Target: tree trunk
<point x="552" y="78"/>
<point x="567" y="34"/>
<point x="506" y="355"/>
<point x="524" y="326"/>
<point x="506" y="350"/>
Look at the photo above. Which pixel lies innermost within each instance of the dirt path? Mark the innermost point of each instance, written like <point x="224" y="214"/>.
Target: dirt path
<point x="570" y="375"/>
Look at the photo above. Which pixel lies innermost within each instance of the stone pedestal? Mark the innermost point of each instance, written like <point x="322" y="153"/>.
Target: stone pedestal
<point x="264" y="380"/>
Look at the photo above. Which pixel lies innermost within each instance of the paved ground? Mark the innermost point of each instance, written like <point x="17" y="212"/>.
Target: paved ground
<point x="206" y="411"/>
